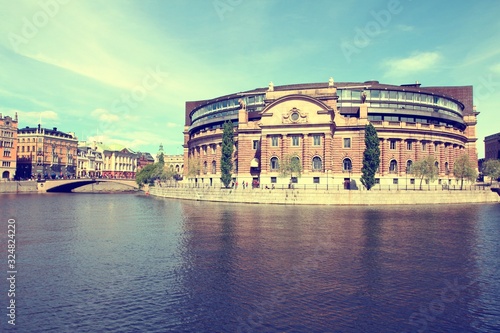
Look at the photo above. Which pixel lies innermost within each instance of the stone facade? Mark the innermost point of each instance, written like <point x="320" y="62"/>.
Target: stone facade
<point x="90" y="161"/>
<point x="323" y="124"/>
<point x="327" y="197"/>
<point x="492" y="146"/>
<point x="8" y="146"/>
<point x="118" y="161"/>
<point x="174" y="163"/>
<point x="46" y="153"/>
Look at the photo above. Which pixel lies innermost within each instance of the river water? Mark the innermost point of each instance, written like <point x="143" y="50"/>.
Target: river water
<point x="131" y="263"/>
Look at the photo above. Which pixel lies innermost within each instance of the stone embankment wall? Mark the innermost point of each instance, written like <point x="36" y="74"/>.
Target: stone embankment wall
<point x="324" y="197"/>
<point x="18" y="187"/>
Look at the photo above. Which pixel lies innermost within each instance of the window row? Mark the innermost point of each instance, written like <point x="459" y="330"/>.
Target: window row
<point x="215" y="108"/>
<point x="397" y="96"/>
<point x="317" y="163"/>
<point x="406" y="119"/>
<point x="410" y="145"/>
<point x="294" y="141"/>
<point x="7" y="134"/>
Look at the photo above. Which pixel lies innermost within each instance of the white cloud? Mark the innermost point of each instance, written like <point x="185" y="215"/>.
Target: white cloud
<point x="32" y="118"/>
<point x="415" y="63"/>
<point x="404" y="27"/>
<point x="496" y="68"/>
<point x="104" y="115"/>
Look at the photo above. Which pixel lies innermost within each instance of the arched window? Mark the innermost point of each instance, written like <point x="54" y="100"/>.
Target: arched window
<point x="295" y="160"/>
<point x="347" y="164"/>
<point x="393" y="166"/>
<point x="317" y="163"/>
<point x="214" y="167"/>
<point x="436" y="164"/>
<point x="236" y="165"/>
<point x="274" y="163"/>
<point x="409" y="165"/>
<point x="447" y="168"/>
<point x="205" y="167"/>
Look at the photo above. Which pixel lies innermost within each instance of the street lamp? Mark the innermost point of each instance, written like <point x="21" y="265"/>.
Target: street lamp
<point x="327" y="179"/>
<point x="406" y="174"/>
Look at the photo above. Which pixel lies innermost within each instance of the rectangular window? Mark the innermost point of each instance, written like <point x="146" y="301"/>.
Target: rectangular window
<point x="409" y="145"/>
<point x="273" y="180"/>
<point x="392" y="144"/>
<point x="395" y="181"/>
<point x="347" y="142"/>
<point x="316" y="180"/>
<point x="295" y="140"/>
<point x="274" y="141"/>
<point x="412" y="181"/>
<point x="255" y="144"/>
<point x="377" y="180"/>
<point x="317" y="140"/>
<point x="391" y="118"/>
<point x="294" y="180"/>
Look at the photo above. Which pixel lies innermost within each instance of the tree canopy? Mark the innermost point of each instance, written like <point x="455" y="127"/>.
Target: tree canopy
<point x="491" y="168"/>
<point x="425" y="168"/>
<point x="226" y="160"/>
<point x="290" y="165"/>
<point x="194" y="166"/>
<point x="371" y="157"/>
<point x="153" y="172"/>
<point x="463" y="169"/>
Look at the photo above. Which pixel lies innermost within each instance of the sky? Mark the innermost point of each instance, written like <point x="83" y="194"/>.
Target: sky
<point x="120" y="71"/>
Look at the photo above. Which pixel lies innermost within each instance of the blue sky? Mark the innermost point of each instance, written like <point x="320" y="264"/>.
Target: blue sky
<point x="121" y="71"/>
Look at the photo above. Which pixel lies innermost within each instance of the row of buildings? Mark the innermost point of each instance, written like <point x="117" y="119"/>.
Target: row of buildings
<point x="37" y="152"/>
<point x="322" y="124"/>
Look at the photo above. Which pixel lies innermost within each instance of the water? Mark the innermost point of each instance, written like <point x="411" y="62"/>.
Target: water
<point x="130" y="263"/>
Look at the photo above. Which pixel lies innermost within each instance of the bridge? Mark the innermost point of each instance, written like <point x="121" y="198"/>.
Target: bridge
<point x="67" y="185"/>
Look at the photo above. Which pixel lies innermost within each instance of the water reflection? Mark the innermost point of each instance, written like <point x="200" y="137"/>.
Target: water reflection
<point x="126" y="263"/>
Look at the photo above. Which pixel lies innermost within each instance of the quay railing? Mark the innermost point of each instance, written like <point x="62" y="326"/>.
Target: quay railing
<point x="331" y="187"/>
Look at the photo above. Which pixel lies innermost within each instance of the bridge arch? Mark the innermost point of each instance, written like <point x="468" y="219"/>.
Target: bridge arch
<point x="66" y="186"/>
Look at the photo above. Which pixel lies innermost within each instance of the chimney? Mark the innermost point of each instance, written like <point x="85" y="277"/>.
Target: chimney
<point x="55" y="129"/>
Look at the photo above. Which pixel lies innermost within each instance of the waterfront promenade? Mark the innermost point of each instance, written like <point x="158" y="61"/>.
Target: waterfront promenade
<point x="332" y="196"/>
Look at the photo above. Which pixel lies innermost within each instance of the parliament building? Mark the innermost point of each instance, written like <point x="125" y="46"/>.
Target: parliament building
<point x="323" y="125"/>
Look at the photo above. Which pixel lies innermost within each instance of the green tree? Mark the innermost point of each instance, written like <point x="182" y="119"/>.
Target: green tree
<point x="145" y="175"/>
<point x="425" y="169"/>
<point x="194" y="166"/>
<point x="161" y="159"/>
<point x="226" y="160"/>
<point x="491" y="168"/>
<point x="463" y="169"/>
<point x="290" y="165"/>
<point x="153" y="172"/>
<point x="371" y="157"/>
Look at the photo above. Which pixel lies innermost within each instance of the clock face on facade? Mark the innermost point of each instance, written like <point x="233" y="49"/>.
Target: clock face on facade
<point x="294" y="116"/>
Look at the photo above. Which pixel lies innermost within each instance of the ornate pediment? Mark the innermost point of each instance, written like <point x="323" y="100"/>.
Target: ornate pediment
<point x="295" y="116"/>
